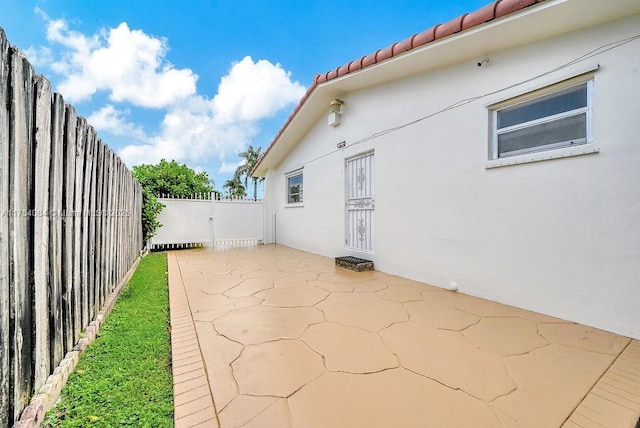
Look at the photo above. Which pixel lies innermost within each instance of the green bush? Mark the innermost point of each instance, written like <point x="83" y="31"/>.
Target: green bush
<point x="167" y="178"/>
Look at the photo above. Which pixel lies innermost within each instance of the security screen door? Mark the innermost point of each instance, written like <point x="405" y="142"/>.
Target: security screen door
<point x="360" y="203"/>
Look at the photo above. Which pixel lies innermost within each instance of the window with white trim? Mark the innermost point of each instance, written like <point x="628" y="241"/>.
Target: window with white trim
<point x="552" y="118"/>
<point x="294" y="187"/>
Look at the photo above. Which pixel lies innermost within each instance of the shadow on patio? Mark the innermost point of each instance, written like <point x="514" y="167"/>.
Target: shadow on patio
<point x="274" y="337"/>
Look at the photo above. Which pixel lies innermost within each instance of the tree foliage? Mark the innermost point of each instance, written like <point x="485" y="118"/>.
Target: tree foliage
<point x="151" y="207"/>
<point x="167" y="178"/>
<point x="251" y="157"/>
<point x="171" y="178"/>
<point x="235" y="188"/>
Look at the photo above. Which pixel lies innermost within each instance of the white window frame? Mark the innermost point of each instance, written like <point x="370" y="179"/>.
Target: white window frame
<point x="550" y="151"/>
<point x="288" y="176"/>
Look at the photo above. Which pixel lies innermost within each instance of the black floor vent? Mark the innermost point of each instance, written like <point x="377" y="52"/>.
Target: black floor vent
<point x="354" y="263"/>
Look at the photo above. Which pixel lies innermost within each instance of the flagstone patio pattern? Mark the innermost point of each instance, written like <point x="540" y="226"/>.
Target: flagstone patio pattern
<point x="289" y="340"/>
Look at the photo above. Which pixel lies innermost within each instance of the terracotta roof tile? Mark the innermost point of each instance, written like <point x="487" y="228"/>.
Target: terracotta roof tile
<point x="494" y="10"/>
<point x="385" y="53"/>
<point x="310" y="88"/>
<point x="480" y="16"/>
<point x="403" y="46"/>
<point x="451" y="27"/>
<point x="505" y="7"/>
<point x="355" y="65"/>
<point x="343" y="70"/>
<point x="369" y="60"/>
<point x="425" y="37"/>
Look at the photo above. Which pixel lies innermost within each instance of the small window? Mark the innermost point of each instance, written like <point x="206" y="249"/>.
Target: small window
<point x="294" y="187"/>
<point x="543" y="120"/>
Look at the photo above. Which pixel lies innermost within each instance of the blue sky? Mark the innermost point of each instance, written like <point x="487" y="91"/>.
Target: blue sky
<point x="198" y="81"/>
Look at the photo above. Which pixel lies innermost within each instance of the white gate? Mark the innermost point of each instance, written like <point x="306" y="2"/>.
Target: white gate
<point x="206" y="221"/>
<point x="360" y="203"/>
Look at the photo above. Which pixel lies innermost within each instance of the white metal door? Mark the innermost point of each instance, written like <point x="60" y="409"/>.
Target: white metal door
<point x="360" y="203"/>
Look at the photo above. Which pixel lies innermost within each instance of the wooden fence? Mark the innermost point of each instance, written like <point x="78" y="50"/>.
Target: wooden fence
<point x="70" y="228"/>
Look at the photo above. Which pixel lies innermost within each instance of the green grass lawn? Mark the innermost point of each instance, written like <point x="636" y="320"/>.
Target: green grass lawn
<point x="124" y="377"/>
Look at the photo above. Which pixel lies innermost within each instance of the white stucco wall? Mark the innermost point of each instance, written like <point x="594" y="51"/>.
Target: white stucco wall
<point x="561" y="237"/>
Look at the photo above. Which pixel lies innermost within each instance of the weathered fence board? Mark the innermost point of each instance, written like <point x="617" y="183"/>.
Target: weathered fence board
<point x="69" y="161"/>
<point x="41" y="231"/>
<point x="106" y="231"/>
<point x="98" y="225"/>
<point x="70" y="229"/>
<point x="101" y="238"/>
<point x="20" y="237"/>
<point x="86" y="203"/>
<point x="91" y="219"/>
<point x="4" y="230"/>
<point x="56" y="347"/>
<point x="110" y="223"/>
<point x="81" y="129"/>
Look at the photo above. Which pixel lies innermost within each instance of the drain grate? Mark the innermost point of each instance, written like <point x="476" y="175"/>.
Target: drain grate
<point x="354" y="263"/>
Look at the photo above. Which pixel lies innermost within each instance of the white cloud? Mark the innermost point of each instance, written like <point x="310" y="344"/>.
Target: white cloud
<point x="112" y="120"/>
<point x="39" y="56"/>
<point x="192" y="135"/>
<point x="131" y="67"/>
<point x="129" y="64"/>
<point x="229" y="168"/>
<point x="199" y="130"/>
<point x="254" y="90"/>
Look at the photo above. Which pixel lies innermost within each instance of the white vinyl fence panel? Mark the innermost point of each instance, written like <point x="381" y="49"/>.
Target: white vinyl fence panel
<point x="208" y="222"/>
<point x="184" y="221"/>
<point x="238" y="220"/>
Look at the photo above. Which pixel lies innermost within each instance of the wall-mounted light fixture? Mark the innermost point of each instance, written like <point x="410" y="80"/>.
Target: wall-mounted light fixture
<point x="335" y="111"/>
<point x="341" y="144"/>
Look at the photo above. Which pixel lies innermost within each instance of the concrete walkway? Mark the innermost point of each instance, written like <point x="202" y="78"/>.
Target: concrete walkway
<point x="274" y="337"/>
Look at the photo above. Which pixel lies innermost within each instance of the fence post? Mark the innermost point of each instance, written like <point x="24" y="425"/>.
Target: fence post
<point x="41" y="230"/>
<point x="91" y="218"/>
<point x="68" y="190"/>
<point x="20" y="257"/>
<point x="81" y="126"/>
<point x="212" y="220"/>
<point x="55" y="231"/>
<point x="264" y="221"/>
<point x="4" y="231"/>
<point x="97" y="227"/>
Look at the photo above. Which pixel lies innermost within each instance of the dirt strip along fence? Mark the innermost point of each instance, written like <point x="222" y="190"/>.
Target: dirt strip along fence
<point x="70" y="228"/>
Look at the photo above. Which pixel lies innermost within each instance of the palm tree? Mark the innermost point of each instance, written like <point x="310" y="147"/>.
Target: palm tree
<point x="251" y="157"/>
<point x="235" y="188"/>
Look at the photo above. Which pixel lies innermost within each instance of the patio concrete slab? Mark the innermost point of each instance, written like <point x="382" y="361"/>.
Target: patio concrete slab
<point x="516" y="337"/>
<point x="392" y="398"/>
<point x="259" y="324"/>
<point x="446" y="356"/>
<point x="366" y="353"/>
<point x="286" y="339"/>
<point x="301" y="295"/>
<point x="276" y="369"/>
<point x="439" y="316"/>
<point x="364" y="311"/>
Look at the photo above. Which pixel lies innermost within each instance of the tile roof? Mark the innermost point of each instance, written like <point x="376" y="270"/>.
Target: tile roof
<point x="490" y="12"/>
